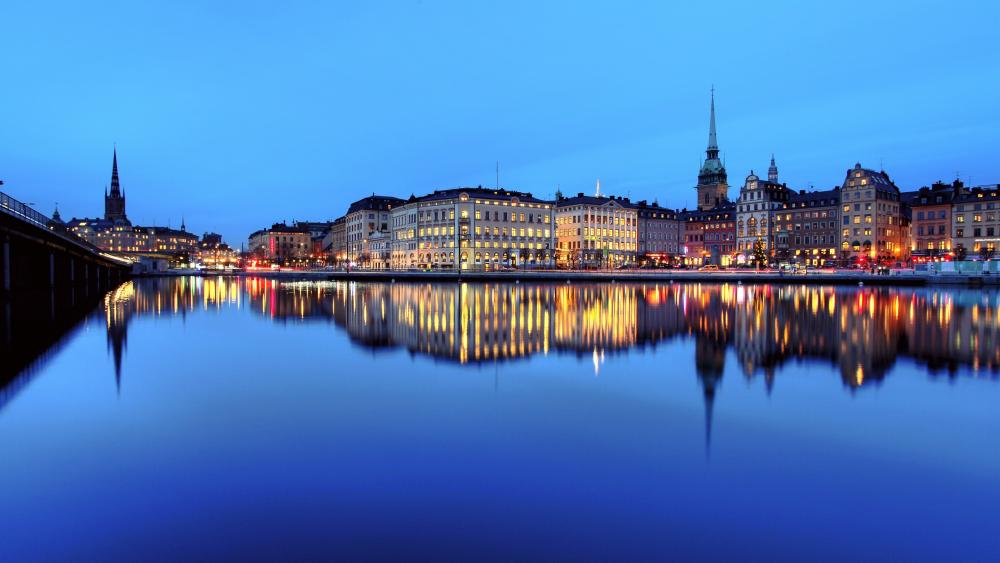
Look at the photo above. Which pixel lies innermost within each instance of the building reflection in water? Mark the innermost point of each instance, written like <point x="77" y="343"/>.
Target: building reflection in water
<point x="859" y="331"/>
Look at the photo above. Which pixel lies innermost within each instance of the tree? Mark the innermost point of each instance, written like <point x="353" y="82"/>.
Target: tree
<point x="960" y="252"/>
<point x="759" y="254"/>
<point x="986" y="253"/>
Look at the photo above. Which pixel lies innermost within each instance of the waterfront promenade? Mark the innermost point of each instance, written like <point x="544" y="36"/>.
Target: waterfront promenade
<point x="824" y="277"/>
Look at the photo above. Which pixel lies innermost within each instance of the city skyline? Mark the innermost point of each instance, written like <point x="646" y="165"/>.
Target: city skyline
<point x="213" y="133"/>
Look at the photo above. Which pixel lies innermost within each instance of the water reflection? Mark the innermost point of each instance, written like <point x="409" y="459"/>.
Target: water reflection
<point x="861" y="331"/>
<point x="34" y="326"/>
<point x="624" y="447"/>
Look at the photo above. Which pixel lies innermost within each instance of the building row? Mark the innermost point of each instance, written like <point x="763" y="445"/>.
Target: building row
<point x="867" y="220"/>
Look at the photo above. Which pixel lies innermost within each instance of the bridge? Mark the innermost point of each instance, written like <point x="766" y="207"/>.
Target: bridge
<point x="38" y="253"/>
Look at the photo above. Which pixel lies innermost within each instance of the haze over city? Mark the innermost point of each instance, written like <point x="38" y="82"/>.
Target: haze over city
<point x="236" y="119"/>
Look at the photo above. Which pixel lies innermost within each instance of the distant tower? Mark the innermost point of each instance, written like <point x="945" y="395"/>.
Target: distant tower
<point x="712" y="187"/>
<point x="56" y="217"/>
<point x="183" y="228"/>
<point x="772" y="171"/>
<point x="114" y="201"/>
<point x="598" y="188"/>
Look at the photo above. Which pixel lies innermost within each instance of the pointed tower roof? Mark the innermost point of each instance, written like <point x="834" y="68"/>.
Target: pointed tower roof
<point x="115" y="186"/>
<point x="713" y="171"/>
<point x="713" y="142"/>
<point x="772" y="171"/>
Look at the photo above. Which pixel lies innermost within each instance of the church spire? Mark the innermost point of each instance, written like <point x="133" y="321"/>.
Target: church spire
<point x="115" y="186"/>
<point x="114" y="199"/>
<point x="712" y="180"/>
<point x="772" y="171"/>
<point x="713" y="143"/>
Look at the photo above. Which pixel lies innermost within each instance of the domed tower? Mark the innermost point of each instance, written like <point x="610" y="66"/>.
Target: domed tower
<point x="712" y="187"/>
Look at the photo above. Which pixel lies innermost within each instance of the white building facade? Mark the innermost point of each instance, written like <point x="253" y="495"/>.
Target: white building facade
<point x="473" y="229"/>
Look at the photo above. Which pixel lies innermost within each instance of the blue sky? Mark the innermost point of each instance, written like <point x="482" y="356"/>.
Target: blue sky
<point x="236" y="115"/>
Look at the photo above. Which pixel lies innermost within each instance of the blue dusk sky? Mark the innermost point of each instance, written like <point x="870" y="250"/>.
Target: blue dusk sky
<point x="236" y="115"/>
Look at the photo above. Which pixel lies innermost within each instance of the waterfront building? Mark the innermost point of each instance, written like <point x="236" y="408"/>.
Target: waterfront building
<point x="165" y="240"/>
<point x="317" y="234"/>
<point x="806" y="228"/>
<point x="692" y="238"/>
<point x="280" y="244"/>
<point x="335" y="241"/>
<point x="713" y="189"/>
<point x="710" y="236"/>
<point x="975" y="222"/>
<point x="364" y="218"/>
<point x="930" y="220"/>
<point x="872" y="218"/>
<point x="596" y="231"/>
<point x="214" y="253"/>
<point x="658" y="233"/>
<point x="756" y="207"/>
<point x="473" y="228"/>
<point x="108" y="236"/>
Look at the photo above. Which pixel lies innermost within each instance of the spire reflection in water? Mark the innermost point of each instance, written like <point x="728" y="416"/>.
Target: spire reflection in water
<point x="861" y="331"/>
<point x="510" y="406"/>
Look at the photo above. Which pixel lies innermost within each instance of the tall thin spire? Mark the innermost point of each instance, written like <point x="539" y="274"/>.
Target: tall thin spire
<point x="713" y="143"/>
<point x="772" y="171"/>
<point x="115" y="186"/>
<point x="712" y="185"/>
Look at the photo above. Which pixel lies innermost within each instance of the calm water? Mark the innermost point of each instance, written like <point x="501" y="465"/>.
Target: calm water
<point x="225" y="418"/>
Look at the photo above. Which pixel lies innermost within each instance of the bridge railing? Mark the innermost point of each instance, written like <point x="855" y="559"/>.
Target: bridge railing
<point x="22" y="210"/>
